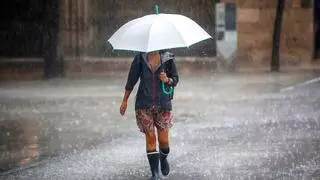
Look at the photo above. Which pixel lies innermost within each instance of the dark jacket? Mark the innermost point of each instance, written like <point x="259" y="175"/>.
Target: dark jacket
<point x="150" y="92"/>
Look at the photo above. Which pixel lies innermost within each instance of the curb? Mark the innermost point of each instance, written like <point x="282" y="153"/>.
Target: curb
<point x="290" y="88"/>
<point x="21" y="69"/>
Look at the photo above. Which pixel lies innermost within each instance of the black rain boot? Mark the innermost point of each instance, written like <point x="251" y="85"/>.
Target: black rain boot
<point x="153" y="158"/>
<point x="165" y="168"/>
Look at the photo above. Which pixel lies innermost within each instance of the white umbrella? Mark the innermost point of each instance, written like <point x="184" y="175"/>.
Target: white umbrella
<point x="156" y="32"/>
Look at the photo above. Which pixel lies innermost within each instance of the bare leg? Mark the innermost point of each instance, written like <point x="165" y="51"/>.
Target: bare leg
<point x="163" y="138"/>
<point x="151" y="141"/>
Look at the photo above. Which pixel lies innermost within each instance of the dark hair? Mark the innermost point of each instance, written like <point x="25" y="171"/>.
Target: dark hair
<point x="163" y="51"/>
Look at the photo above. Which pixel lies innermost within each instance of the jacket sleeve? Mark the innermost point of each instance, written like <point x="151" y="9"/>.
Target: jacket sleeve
<point x="134" y="74"/>
<point x="174" y="73"/>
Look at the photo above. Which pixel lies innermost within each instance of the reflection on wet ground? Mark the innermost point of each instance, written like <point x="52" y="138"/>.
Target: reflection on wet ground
<point x="19" y="143"/>
<point x="27" y="141"/>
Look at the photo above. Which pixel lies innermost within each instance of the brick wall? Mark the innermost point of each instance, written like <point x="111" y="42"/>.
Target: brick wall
<point x="255" y="25"/>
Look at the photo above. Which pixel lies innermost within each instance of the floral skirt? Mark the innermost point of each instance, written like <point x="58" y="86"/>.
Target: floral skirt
<point x="149" y="119"/>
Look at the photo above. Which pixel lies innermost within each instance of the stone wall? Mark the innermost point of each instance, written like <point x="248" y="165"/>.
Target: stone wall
<point x="255" y="25"/>
<point x="86" y="24"/>
<point x="297" y="39"/>
<point x="76" y="30"/>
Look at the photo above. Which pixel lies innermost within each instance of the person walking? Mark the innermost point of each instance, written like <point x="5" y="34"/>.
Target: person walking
<point x="153" y="104"/>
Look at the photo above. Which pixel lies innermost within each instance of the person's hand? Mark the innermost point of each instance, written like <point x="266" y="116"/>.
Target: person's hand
<point x="123" y="107"/>
<point x="163" y="77"/>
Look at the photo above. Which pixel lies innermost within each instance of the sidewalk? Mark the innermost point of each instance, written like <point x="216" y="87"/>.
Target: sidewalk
<point x="32" y="69"/>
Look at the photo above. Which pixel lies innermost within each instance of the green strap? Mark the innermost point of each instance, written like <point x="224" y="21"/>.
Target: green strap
<point x="164" y="89"/>
<point x="157" y="9"/>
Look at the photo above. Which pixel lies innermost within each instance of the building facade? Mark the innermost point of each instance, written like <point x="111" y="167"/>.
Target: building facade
<point x="255" y="27"/>
<point x="87" y="27"/>
<point x="245" y="38"/>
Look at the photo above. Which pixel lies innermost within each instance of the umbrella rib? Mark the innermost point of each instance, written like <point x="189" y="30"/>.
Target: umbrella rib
<point x="170" y="24"/>
<point x="147" y="49"/>
<point x="177" y="31"/>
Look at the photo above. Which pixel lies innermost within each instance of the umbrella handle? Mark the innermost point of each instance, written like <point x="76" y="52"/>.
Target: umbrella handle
<point x="157" y="9"/>
<point x="165" y="91"/>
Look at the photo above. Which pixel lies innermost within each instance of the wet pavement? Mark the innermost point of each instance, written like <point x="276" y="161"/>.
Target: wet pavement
<point x="227" y="126"/>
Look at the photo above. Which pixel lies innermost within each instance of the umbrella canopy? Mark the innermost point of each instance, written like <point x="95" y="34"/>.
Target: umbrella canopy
<point x="156" y="32"/>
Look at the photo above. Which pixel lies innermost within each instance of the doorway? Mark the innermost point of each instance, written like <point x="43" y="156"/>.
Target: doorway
<point x="21" y="28"/>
